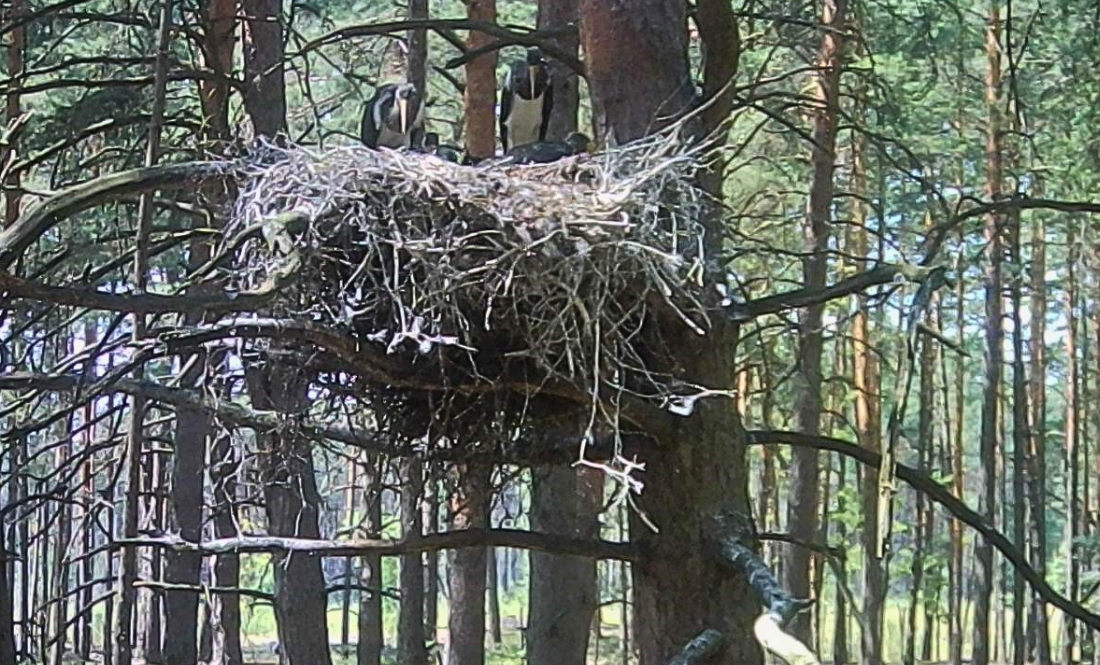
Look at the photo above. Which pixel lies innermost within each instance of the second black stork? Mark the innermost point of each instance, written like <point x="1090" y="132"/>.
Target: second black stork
<point x="526" y="98"/>
<point x="393" y="117"/>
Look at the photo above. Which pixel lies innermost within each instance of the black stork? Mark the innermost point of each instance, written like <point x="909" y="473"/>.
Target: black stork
<point x="544" y="152"/>
<point x="432" y="146"/>
<point x="393" y="117"/>
<point x="526" y="98"/>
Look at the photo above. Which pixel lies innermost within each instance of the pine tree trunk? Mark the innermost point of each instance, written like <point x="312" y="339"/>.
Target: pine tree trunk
<point x="226" y="617"/>
<point x="265" y="82"/>
<point x="1070" y="466"/>
<point x="492" y="590"/>
<point x="371" y="641"/>
<point x="563" y="593"/>
<point x="925" y="435"/>
<point x="563" y="116"/>
<point x="469" y="510"/>
<point x="990" y="434"/>
<point x="411" y="648"/>
<point x="431" y="559"/>
<point x="481" y="85"/>
<point x="1020" y="438"/>
<point x="292" y="505"/>
<point x="955" y="601"/>
<point x="802" y="507"/>
<point x="697" y="468"/>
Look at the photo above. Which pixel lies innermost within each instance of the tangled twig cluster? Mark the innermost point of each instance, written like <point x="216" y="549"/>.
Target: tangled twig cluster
<point x="563" y="278"/>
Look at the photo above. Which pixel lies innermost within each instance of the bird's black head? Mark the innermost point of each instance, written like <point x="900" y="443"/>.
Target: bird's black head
<point x="534" y="57"/>
<point x="431" y="140"/>
<point x="578" y="143"/>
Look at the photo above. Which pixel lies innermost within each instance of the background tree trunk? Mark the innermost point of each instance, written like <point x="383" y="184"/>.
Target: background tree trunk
<point x="370" y="603"/>
<point x="481" y="85"/>
<point x="563" y="589"/>
<point x="469" y="510"/>
<point x="411" y="647"/>
<point x="265" y="83"/>
<point x="563" y="117"/>
<point x="292" y="505"/>
<point x="990" y="434"/>
<point x="1037" y="467"/>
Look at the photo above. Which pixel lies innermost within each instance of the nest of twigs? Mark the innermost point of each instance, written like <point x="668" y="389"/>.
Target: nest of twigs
<point x="485" y="288"/>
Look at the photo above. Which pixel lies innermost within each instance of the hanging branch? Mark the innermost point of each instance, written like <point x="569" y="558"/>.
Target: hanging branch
<point x="922" y="482"/>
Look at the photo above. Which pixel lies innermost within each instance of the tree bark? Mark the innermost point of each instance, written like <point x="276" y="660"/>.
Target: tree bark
<point x="563" y="594"/>
<point x="694" y="471"/>
<point x="990" y="435"/>
<point x="265" y="83"/>
<point x="1070" y="467"/>
<point x="469" y="510"/>
<point x="226" y="617"/>
<point x="418" y="48"/>
<point x="370" y="604"/>
<point x="292" y="504"/>
<point x="563" y="116"/>
<point x="411" y="648"/>
<point x="802" y="508"/>
<point x="492" y="589"/>
<point x="481" y="85"/>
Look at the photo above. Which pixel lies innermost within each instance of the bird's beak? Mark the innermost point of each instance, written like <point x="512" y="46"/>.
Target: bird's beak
<point x="531" y="72"/>
<point x="403" y="111"/>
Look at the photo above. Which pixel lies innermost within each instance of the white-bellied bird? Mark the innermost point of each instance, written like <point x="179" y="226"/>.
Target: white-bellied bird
<point x="526" y="98"/>
<point x="393" y="117"/>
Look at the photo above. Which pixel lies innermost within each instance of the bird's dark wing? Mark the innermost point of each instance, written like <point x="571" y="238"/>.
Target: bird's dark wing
<point x="547" y="107"/>
<point x="505" y="109"/>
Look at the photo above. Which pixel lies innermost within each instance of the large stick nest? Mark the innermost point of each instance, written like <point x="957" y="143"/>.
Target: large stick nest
<point x="487" y="286"/>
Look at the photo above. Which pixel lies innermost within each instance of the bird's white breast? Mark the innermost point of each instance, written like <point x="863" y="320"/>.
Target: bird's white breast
<point x="524" y="120"/>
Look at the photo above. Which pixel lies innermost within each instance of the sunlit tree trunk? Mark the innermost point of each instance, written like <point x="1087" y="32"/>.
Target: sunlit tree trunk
<point x="1070" y="466"/>
<point x="481" y="85"/>
<point x="803" y="474"/>
<point x="994" y="332"/>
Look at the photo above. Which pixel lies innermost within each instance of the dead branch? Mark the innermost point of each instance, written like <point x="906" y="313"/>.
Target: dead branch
<point x="922" y="482"/>
<point x="41" y="217"/>
<point x="525" y="540"/>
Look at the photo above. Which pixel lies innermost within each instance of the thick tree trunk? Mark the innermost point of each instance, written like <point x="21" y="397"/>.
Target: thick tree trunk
<point x="802" y="509"/>
<point x="481" y="85"/>
<point x="563" y="596"/>
<point x="411" y="648"/>
<point x="292" y="505"/>
<point x="698" y="467"/>
<point x="370" y="603"/>
<point x="563" y="117"/>
<point x="265" y="83"/>
<point x="418" y="48"/>
<point x="990" y="434"/>
<point x="469" y="510"/>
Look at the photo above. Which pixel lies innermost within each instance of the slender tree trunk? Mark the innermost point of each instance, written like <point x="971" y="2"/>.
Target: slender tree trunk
<point x="492" y="589"/>
<point x="128" y="572"/>
<point x="411" y="648"/>
<point x="563" y="117"/>
<point x="431" y="559"/>
<point x="867" y="380"/>
<point x="371" y="640"/>
<point x="418" y="47"/>
<point x="802" y="516"/>
<point x="469" y="510"/>
<point x="990" y="435"/>
<point x="1070" y="467"/>
<point x="265" y="83"/>
<point x="1020" y="438"/>
<point x="226" y="617"/>
<point x="955" y="600"/>
<point x="481" y="85"/>
<point x="16" y="44"/>
<point x="925" y="435"/>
